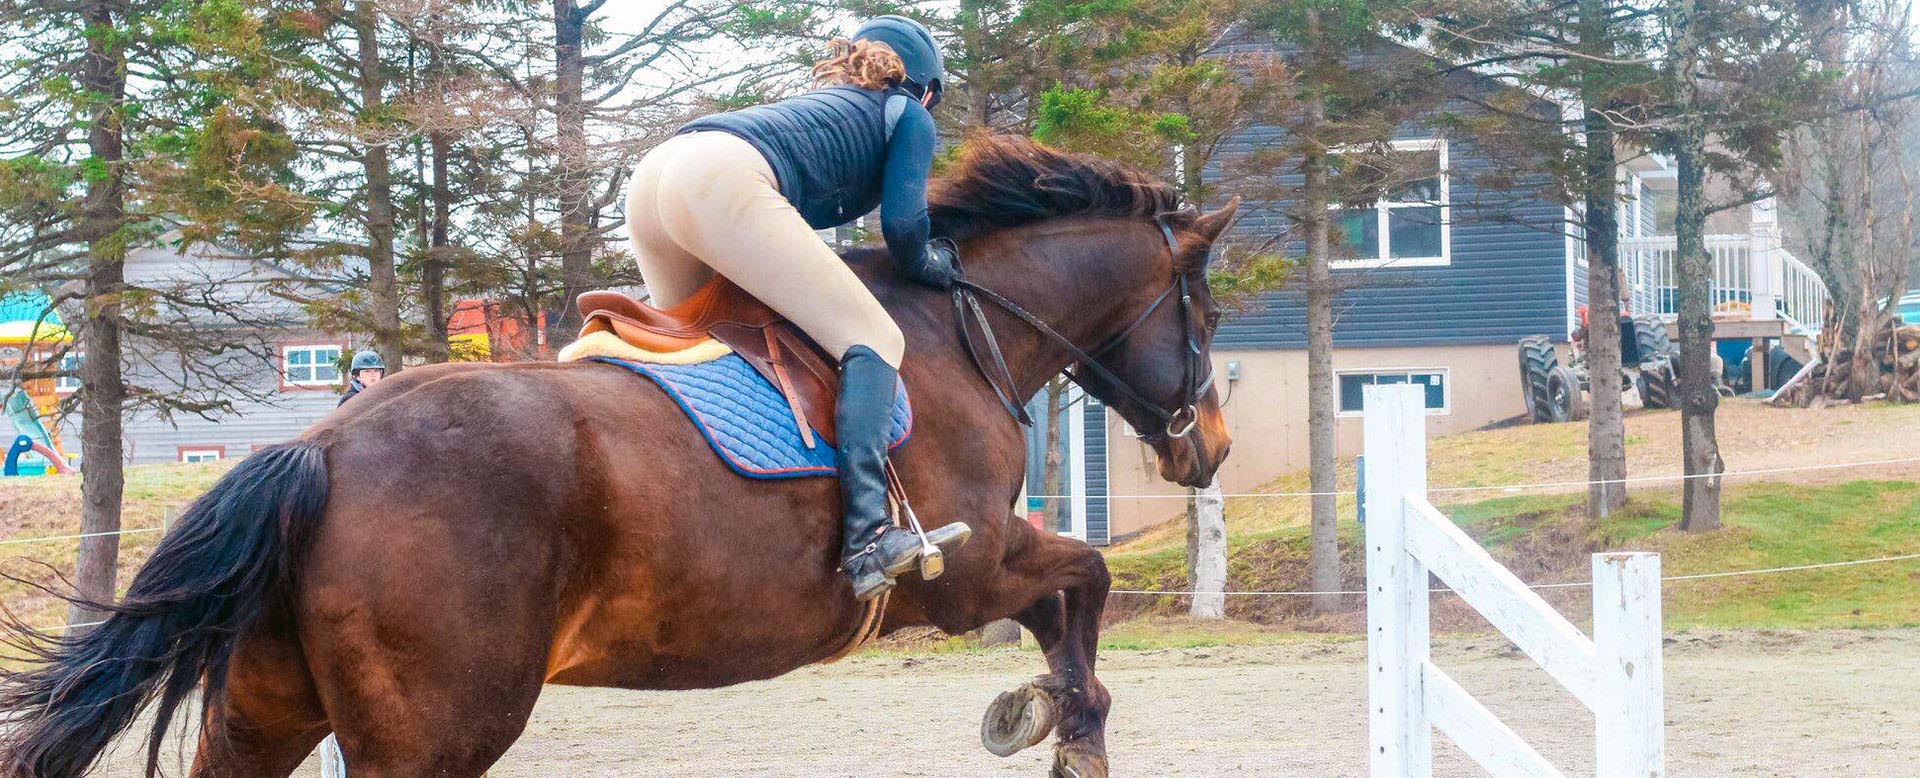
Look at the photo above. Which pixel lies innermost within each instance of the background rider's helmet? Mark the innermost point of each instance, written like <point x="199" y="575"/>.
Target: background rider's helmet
<point x="916" y="47"/>
<point x="366" y="359"/>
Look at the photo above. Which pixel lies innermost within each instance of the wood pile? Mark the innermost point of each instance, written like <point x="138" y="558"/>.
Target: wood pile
<point x="1893" y="369"/>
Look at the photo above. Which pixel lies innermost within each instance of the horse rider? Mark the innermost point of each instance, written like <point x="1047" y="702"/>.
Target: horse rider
<point x="366" y="370"/>
<point x="739" y="194"/>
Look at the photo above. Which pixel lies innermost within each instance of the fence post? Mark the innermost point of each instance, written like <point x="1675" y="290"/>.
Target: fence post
<point x="1629" y="715"/>
<point x="333" y="764"/>
<point x="1397" y="638"/>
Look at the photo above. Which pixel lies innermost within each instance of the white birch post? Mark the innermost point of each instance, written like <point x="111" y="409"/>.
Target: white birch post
<point x="1397" y="637"/>
<point x="1210" y="553"/>
<point x="333" y="764"/>
<point x="1629" y="714"/>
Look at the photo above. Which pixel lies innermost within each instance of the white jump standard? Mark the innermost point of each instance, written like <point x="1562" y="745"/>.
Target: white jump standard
<point x="1616" y="673"/>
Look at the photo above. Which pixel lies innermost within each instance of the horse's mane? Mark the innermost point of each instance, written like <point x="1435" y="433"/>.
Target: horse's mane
<point x="1002" y="181"/>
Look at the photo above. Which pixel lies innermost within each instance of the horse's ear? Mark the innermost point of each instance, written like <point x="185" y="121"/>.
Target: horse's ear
<point x="1210" y="225"/>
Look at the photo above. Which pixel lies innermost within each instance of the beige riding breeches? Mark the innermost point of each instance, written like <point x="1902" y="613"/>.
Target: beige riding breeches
<point x="706" y="203"/>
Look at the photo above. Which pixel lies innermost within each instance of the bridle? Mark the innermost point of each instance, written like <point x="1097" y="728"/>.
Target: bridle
<point x="1196" y="371"/>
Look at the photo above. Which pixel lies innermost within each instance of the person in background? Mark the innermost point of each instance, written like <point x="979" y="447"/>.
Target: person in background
<point x="366" y="370"/>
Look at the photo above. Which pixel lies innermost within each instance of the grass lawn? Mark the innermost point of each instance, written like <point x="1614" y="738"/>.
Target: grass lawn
<point x="1775" y="521"/>
<point x="1545" y="539"/>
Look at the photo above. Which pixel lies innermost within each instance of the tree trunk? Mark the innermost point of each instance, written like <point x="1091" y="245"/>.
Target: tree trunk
<point x="1606" y="429"/>
<point x="973" y="41"/>
<point x="1700" y="452"/>
<point x="1209" y="559"/>
<point x="1052" y="466"/>
<point x="1206" y="510"/>
<point x="1864" y="372"/>
<point x="382" y="283"/>
<point x="433" y="269"/>
<point x="575" y="179"/>
<point x="102" y="469"/>
<point x="1322" y="459"/>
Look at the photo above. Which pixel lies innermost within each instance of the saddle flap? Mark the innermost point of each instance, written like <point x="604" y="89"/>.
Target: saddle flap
<point x="791" y="361"/>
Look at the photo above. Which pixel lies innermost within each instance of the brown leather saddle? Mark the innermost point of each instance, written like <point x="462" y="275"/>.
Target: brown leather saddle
<point x="721" y="311"/>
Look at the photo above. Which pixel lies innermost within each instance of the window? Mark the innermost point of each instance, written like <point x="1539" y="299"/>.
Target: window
<point x="1060" y="506"/>
<point x="310" y="365"/>
<point x="1352" y="387"/>
<point x="67" y="383"/>
<point x="202" y="453"/>
<point x="1407" y="226"/>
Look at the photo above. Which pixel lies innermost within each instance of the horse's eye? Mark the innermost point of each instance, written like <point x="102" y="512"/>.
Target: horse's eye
<point x="1213" y="320"/>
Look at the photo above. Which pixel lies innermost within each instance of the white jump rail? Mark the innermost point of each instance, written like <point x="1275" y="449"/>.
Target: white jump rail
<point x="1616" y="674"/>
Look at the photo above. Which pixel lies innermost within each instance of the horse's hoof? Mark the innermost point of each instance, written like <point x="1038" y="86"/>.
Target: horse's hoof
<point x="1071" y="762"/>
<point x="1016" y="720"/>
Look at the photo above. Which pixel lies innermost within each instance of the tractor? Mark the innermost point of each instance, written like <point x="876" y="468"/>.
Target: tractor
<point x="1557" y="392"/>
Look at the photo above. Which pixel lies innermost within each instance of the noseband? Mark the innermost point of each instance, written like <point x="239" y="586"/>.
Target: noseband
<point x="1196" y="371"/>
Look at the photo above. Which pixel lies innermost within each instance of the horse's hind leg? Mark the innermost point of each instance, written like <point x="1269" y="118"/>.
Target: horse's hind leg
<point x="1066" y="623"/>
<point x="268" y="718"/>
<point x="426" y="679"/>
<point x="405" y="706"/>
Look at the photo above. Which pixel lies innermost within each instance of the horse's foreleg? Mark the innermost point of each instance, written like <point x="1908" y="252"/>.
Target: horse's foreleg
<point x="1066" y="623"/>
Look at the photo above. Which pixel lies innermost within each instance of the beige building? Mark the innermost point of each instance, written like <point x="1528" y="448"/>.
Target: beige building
<point x="1267" y="412"/>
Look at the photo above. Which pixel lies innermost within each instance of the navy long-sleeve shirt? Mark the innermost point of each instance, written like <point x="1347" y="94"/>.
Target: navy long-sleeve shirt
<point x="840" y="151"/>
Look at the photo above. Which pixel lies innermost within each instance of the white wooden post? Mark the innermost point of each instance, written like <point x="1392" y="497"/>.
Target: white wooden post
<point x="1764" y="263"/>
<point x="333" y="764"/>
<point x="1629" y="714"/>
<point x="1616" y="673"/>
<point x="1397" y="636"/>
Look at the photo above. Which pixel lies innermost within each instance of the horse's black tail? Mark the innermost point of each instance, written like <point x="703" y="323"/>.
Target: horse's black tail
<point x="232" y="555"/>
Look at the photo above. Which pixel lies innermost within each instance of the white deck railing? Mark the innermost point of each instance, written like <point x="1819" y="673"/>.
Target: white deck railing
<point x="1616" y="674"/>
<point x="1754" y="277"/>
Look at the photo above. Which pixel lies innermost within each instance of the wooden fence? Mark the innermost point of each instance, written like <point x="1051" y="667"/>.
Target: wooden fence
<point x="1616" y="673"/>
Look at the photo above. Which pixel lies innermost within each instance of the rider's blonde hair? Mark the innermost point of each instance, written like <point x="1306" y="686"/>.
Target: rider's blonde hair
<point x="865" y="64"/>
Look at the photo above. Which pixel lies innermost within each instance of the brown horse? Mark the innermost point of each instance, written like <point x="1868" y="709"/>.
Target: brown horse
<point x="410" y="572"/>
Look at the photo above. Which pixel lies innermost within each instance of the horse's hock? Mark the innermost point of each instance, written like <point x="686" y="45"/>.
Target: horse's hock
<point x="1616" y="674"/>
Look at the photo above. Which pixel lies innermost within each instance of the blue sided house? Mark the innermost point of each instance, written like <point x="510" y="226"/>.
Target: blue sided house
<point x="1442" y="278"/>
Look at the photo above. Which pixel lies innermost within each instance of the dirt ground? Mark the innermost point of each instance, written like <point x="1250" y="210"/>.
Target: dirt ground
<point x="1738" y="704"/>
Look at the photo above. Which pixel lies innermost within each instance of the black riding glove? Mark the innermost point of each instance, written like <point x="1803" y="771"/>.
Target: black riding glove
<point x="939" y="265"/>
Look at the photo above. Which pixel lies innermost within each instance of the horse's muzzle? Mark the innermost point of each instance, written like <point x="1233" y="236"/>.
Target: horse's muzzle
<point x="1192" y="459"/>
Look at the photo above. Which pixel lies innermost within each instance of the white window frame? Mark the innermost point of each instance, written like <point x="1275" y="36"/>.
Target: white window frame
<point x="1076" y="433"/>
<point x="1383" y="253"/>
<point x="1074" y="430"/>
<point x="68" y="384"/>
<point x="192" y="454"/>
<point x="285" y="366"/>
<point x="1446" y="386"/>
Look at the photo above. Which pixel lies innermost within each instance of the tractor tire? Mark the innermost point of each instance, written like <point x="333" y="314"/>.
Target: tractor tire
<point x="1781" y="366"/>
<point x="1656" y="384"/>
<point x="1651" y="342"/>
<point x="1565" y="401"/>
<point x="1739" y="377"/>
<point x="1537" y="362"/>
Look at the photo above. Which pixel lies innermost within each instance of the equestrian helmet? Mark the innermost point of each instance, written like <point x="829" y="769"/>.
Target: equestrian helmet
<point x="926" y="70"/>
<point x="366" y="359"/>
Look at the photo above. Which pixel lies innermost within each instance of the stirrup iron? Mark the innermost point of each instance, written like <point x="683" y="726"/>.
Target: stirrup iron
<point x="933" y="560"/>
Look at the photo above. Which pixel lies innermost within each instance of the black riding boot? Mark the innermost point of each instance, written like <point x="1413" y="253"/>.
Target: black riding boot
<point x="872" y="550"/>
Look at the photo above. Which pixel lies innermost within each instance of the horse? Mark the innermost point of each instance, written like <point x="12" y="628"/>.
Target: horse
<point x="412" y="570"/>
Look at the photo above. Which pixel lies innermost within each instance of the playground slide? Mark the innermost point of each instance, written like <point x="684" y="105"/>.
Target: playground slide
<point x="26" y="421"/>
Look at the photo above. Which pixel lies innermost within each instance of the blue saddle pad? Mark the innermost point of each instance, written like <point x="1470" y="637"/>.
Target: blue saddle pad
<point x="746" y="419"/>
